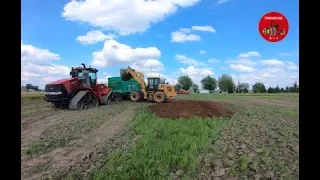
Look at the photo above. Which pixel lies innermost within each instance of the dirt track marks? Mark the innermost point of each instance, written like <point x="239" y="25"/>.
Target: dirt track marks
<point x="82" y="151"/>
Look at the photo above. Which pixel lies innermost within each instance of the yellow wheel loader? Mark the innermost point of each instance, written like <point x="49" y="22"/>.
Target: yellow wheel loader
<point x="155" y="90"/>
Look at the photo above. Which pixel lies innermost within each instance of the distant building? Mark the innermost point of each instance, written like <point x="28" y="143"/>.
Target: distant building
<point x="24" y="89"/>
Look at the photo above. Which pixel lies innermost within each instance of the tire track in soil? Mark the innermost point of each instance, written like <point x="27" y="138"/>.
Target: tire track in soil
<point x="33" y="129"/>
<point x="85" y="153"/>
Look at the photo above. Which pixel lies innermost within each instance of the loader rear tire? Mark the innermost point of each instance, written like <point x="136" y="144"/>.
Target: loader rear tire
<point x="135" y="96"/>
<point x="159" y="97"/>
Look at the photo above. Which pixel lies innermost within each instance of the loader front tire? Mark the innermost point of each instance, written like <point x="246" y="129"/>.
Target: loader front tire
<point x="159" y="97"/>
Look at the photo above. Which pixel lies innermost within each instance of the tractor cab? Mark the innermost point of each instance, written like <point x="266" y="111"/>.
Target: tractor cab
<point x="78" y="71"/>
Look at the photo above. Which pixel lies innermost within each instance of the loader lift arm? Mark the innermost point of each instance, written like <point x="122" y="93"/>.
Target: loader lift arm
<point x="128" y="73"/>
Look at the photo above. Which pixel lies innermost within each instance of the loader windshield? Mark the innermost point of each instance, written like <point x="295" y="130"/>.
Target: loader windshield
<point x="153" y="83"/>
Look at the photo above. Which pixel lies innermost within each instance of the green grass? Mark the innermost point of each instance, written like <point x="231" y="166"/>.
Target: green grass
<point x="31" y="95"/>
<point x="41" y="147"/>
<point x="165" y="146"/>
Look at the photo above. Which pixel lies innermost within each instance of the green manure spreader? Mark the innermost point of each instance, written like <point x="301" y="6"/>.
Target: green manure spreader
<point x="123" y="88"/>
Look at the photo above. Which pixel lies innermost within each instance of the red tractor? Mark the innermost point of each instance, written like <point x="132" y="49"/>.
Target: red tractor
<point x="76" y="94"/>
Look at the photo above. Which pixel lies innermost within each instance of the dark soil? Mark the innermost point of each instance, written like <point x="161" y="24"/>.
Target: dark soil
<point x="189" y="108"/>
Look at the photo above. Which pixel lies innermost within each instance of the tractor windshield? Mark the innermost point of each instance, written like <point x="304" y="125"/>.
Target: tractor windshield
<point x="76" y="74"/>
<point x="93" y="78"/>
<point x="79" y="74"/>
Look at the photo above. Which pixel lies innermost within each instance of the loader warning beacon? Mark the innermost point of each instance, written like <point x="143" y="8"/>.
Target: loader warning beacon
<point x="273" y="27"/>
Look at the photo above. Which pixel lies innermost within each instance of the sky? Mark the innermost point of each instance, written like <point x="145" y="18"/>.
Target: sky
<point x="169" y="38"/>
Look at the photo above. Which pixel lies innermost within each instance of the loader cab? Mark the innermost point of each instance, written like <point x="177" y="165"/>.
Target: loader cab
<point x="77" y="72"/>
<point x="153" y="83"/>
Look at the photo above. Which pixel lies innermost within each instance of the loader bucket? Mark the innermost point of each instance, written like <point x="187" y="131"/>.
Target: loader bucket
<point x="125" y="75"/>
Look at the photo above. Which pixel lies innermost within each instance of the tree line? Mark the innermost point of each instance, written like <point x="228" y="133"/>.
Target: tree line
<point x="260" y="88"/>
<point x="226" y="84"/>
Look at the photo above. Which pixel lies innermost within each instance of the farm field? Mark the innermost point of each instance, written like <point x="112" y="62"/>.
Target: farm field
<point x="256" y="136"/>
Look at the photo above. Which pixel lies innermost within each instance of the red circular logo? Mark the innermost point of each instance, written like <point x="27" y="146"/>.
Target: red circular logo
<point x="273" y="27"/>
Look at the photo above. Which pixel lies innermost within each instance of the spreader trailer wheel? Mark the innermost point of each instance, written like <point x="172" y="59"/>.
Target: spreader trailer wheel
<point x="135" y="96"/>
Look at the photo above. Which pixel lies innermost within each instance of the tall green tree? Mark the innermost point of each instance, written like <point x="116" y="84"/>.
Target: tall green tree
<point x="270" y="90"/>
<point x="185" y="82"/>
<point x="209" y="83"/>
<point x="277" y="89"/>
<point x="243" y="87"/>
<point x="287" y="89"/>
<point x="294" y="88"/>
<point x="226" y="83"/>
<point x="177" y="87"/>
<point x="259" y="88"/>
<point x="195" y="87"/>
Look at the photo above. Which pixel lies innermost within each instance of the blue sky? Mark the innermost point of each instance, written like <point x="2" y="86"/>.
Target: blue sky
<point x="169" y="38"/>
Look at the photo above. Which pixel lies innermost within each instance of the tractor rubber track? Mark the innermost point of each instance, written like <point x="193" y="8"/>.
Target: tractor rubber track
<point x="73" y="105"/>
<point x="108" y="98"/>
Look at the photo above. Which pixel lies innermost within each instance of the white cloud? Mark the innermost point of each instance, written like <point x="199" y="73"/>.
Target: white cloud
<point x="291" y="65"/>
<point x="269" y="77"/>
<point x="212" y="60"/>
<point x="249" y="54"/>
<point x="275" y="70"/>
<point x="141" y="59"/>
<point x="204" y="28"/>
<point x="185" y="30"/>
<point x="180" y="36"/>
<point x="93" y="37"/>
<point x="293" y="53"/>
<point x="241" y="68"/>
<point x="46" y="69"/>
<point x="196" y="74"/>
<point x="246" y="62"/>
<point x="31" y="54"/>
<point x="149" y="65"/>
<point x="168" y="79"/>
<point x="192" y="71"/>
<point x="271" y="72"/>
<point x="272" y="62"/>
<point x="25" y="76"/>
<point x="222" y="1"/>
<point x="188" y="61"/>
<point x="103" y="80"/>
<point x="114" y="52"/>
<point x="125" y="16"/>
<point x="202" y="52"/>
<point x="36" y="67"/>
<point x="184" y="34"/>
